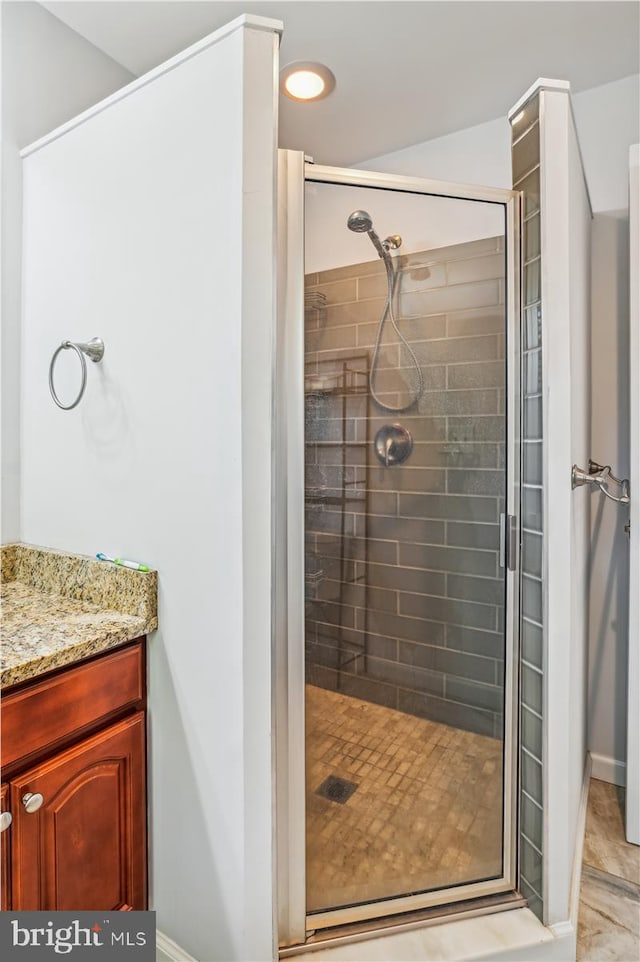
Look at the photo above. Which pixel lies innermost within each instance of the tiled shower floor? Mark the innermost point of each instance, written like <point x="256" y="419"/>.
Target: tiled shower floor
<point x="426" y="813"/>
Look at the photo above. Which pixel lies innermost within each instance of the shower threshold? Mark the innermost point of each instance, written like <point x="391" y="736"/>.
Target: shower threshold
<point x="397" y="925"/>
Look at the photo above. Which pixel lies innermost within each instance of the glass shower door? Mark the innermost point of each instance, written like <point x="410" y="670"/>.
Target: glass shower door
<point x="409" y="509"/>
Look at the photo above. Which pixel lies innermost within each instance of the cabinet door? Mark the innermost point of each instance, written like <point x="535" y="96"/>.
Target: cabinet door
<point x="5" y="902"/>
<point x="85" y="846"/>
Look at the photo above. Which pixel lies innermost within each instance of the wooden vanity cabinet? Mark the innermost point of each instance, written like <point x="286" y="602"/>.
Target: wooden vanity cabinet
<point x="4" y="850"/>
<point x="73" y="749"/>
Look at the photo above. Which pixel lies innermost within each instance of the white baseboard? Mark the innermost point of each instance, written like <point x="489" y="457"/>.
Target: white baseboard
<point x="608" y="769"/>
<point x="168" y="951"/>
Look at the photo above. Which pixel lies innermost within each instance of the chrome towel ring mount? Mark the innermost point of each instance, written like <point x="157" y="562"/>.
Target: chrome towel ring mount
<point x="94" y="349"/>
<point x="600" y="475"/>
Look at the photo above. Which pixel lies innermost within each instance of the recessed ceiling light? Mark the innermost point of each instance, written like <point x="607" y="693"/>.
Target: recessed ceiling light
<point x="306" y="80"/>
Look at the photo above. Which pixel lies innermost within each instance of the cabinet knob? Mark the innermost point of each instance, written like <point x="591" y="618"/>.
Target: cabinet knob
<point x="5" y="820"/>
<point x="32" y="802"/>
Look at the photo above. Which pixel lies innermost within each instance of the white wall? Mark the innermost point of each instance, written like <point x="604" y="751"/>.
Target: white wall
<point x="141" y="229"/>
<point x="478" y="155"/>
<point x="609" y="599"/>
<point x="49" y="74"/>
<point x="566" y="268"/>
<point x="609" y="128"/>
<point x="608" y="122"/>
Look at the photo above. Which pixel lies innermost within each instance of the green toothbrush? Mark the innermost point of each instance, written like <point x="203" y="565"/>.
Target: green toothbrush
<point x="135" y="565"/>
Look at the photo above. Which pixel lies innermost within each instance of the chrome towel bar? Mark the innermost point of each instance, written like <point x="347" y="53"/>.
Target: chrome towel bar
<point x="600" y="475"/>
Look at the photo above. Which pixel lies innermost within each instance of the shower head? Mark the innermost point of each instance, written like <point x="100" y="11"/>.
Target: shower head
<point x="359" y="221"/>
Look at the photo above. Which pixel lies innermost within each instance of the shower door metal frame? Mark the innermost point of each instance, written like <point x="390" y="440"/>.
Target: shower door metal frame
<point x="294" y="924"/>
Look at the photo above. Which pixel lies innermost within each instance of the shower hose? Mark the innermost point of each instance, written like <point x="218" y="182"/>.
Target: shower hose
<point x="392" y="278"/>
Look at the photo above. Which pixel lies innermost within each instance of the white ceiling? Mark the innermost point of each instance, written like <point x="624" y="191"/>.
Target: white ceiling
<point x="406" y="71"/>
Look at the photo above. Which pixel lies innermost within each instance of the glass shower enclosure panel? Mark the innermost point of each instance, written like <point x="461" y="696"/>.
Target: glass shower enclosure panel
<point x="408" y="549"/>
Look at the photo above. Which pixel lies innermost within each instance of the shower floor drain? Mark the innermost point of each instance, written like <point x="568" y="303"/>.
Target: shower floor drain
<point x="336" y="789"/>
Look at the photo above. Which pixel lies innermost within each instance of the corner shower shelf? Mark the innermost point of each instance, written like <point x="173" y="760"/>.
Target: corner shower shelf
<point x="341" y="383"/>
<point x="337" y="392"/>
<point x="338" y="387"/>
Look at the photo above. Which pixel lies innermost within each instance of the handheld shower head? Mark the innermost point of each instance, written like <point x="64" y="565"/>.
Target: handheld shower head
<point x="359" y="221"/>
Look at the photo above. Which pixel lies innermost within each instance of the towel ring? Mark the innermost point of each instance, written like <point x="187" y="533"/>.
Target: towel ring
<point x="94" y="349"/>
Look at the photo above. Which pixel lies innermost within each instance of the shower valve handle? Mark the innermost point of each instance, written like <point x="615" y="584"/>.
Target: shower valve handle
<point x="393" y="444"/>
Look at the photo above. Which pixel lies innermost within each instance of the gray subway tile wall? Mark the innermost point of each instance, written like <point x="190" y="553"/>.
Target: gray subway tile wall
<point x="404" y="594"/>
<point x="526" y="178"/>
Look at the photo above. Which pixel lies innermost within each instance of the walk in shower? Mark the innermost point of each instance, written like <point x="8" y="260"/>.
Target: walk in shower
<point x="408" y="442"/>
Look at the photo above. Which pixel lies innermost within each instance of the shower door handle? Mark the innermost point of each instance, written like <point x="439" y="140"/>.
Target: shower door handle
<point x="508" y="541"/>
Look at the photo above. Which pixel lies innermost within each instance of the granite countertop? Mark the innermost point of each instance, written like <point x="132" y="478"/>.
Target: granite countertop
<point x="58" y="608"/>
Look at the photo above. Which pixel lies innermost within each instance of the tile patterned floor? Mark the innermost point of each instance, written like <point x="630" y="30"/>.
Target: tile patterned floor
<point x="427" y="812"/>
<point x="609" y="916"/>
<point x="605" y="846"/>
